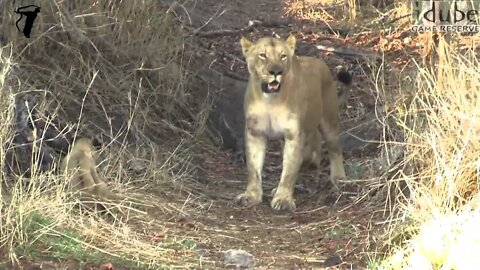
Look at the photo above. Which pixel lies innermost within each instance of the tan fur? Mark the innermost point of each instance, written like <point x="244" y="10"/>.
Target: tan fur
<point x="80" y="162"/>
<point x="304" y="109"/>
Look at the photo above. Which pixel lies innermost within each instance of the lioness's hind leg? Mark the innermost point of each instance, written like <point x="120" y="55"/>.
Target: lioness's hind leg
<point x="255" y="150"/>
<point x="330" y="132"/>
<point x="312" y="150"/>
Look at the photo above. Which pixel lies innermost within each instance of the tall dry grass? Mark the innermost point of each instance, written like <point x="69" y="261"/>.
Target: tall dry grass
<point x="116" y="68"/>
<point x="111" y="57"/>
<point x="435" y="226"/>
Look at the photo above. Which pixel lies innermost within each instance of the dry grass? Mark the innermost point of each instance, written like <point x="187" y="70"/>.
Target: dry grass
<point x="112" y="58"/>
<point x="115" y="68"/>
<point x="434" y="227"/>
<point x="314" y="10"/>
<point x="353" y="14"/>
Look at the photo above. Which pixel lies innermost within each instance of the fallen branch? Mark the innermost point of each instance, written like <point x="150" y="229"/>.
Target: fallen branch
<point x="348" y="54"/>
<point x="256" y="23"/>
<point x="36" y="138"/>
<point x="331" y="7"/>
<point x="251" y="25"/>
<point x="398" y="18"/>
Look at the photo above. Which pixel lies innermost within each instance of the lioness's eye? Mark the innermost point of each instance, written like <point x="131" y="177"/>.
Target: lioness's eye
<point x="262" y="56"/>
<point x="283" y="57"/>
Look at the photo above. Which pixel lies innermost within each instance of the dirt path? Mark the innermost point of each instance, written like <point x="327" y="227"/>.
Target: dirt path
<point x="325" y="226"/>
<point x="322" y="226"/>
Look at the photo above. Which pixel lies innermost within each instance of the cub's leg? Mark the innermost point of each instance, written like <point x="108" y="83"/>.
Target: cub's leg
<point x="77" y="182"/>
<point x="85" y="167"/>
<point x="255" y="150"/>
<point x="292" y="159"/>
<point x="101" y="188"/>
<point x="81" y="179"/>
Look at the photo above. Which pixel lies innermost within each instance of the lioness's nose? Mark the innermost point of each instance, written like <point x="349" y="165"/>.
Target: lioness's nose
<point x="275" y="70"/>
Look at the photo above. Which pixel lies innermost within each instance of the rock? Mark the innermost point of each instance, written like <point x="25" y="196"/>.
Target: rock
<point x="331" y="261"/>
<point x="226" y="120"/>
<point x="239" y="258"/>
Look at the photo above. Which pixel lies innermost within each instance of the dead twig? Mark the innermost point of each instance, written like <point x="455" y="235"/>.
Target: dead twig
<point x="231" y="56"/>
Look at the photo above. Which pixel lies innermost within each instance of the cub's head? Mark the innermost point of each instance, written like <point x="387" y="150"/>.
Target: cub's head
<point x="269" y="60"/>
<point x="88" y="146"/>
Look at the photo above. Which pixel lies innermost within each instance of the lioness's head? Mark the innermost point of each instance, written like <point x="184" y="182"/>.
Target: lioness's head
<point x="269" y="60"/>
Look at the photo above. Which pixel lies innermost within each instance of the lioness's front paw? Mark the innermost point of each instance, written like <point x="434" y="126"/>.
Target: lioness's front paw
<point x="283" y="203"/>
<point x="249" y="198"/>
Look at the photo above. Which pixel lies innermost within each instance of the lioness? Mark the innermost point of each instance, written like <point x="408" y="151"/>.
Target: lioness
<point x="293" y="97"/>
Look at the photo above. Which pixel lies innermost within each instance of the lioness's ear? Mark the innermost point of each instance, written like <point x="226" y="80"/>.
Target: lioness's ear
<point x="292" y="42"/>
<point x="246" y="45"/>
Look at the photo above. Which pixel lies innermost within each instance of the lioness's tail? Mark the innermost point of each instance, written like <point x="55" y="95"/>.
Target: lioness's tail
<point x="346" y="79"/>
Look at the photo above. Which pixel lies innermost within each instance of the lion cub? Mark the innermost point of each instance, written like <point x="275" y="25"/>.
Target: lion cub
<point x="81" y="162"/>
<point x="291" y="97"/>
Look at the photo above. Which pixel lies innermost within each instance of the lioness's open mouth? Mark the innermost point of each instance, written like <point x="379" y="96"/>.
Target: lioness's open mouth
<point x="271" y="87"/>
